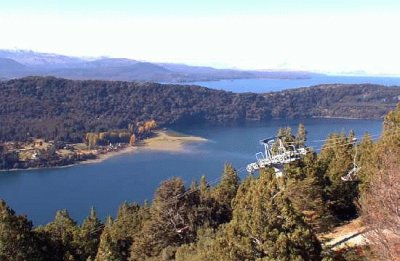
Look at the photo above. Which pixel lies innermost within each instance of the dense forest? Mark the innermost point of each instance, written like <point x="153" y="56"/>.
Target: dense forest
<point x="263" y="217"/>
<point x="65" y="110"/>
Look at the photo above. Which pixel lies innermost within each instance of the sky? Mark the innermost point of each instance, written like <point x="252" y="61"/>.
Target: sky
<point x="339" y="37"/>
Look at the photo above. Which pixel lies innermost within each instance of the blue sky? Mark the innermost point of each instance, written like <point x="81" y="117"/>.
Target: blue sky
<point x="323" y="36"/>
<point x="185" y="7"/>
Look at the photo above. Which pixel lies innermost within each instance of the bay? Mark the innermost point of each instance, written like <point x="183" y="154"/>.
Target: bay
<point x="135" y="176"/>
<point x="273" y="85"/>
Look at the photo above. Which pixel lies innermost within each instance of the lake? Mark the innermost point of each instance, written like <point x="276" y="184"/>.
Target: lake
<point x="272" y="85"/>
<point x="135" y="176"/>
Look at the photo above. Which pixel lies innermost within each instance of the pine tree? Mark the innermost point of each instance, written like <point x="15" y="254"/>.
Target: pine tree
<point x="128" y="224"/>
<point x="199" y="250"/>
<point x="62" y="234"/>
<point x="88" y="237"/>
<point x="204" y="188"/>
<point x="108" y="248"/>
<point x="225" y="192"/>
<point x="301" y="135"/>
<point x="305" y="188"/>
<point x="335" y="161"/>
<point x="17" y="241"/>
<point x="390" y="140"/>
<point x="206" y="208"/>
<point x="168" y="222"/>
<point x="380" y="192"/>
<point x="366" y="160"/>
<point x="264" y="226"/>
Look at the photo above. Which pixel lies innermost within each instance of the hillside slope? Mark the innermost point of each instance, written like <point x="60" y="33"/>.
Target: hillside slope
<point x="11" y="67"/>
<point x="334" y="100"/>
<point x="57" y="108"/>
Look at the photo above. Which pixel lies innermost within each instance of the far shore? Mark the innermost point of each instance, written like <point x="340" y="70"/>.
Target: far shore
<point x="343" y="118"/>
<point x="163" y="140"/>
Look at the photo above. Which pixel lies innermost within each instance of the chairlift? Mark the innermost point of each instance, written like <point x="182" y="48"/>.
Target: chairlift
<point x="353" y="172"/>
<point x="182" y="229"/>
<point x="177" y="221"/>
<point x="276" y="158"/>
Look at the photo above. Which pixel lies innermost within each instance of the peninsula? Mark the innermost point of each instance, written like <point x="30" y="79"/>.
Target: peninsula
<point x="39" y="153"/>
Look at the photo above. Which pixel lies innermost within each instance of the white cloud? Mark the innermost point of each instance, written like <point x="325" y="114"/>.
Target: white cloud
<point x="345" y="43"/>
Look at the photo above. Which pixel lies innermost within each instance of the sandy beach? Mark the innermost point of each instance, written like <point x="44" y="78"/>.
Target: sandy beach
<point x="168" y="141"/>
<point x="162" y="140"/>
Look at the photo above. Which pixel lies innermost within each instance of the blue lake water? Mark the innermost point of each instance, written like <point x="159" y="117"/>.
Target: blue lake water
<point x="271" y="85"/>
<point x="135" y="176"/>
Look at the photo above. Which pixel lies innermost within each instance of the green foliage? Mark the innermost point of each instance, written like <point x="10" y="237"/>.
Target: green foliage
<point x="119" y="234"/>
<point x="199" y="250"/>
<point x="17" y="241"/>
<point x="176" y="216"/>
<point x="59" y="109"/>
<point x="167" y="223"/>
<point x="392" y="121"/>
<point x="61" y="234"/>
<point x="305" y="188"/>
<point x="88" y="237"/>
<point x="366" y="160"/>
<point x="390" y="141"/>
<point x="63" y="239"/>
<point x="301" y="135"/>
<point x="335" y="161"/>
<point x="225" y="192"/>
<point x="8" y="160"/>
<point x="260" y="218"/>
<point x="108" y="247"/>
<point x="264" y="226"/>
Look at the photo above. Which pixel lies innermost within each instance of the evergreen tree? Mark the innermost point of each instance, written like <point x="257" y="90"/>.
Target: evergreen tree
<point x="335" y="161"/>
<point x="366" y="160"/>
<point x="269" y="224"/>
<point x="61" y="235"/>
<point x="168" y="222"/>
<point x="17" y="241"/>
<point x="118" y="235"/>
<point x="206" y="210"/>
<point x="108" y="248"/>
<point x="205" y="248"/>
<point x="305" y="188"/>
<point x="88" y="237"/>
<point x="264" y="226"/>
<point x="204" y="188"/>
<point x="390" y="140"/>
<point x="128" y="224"/>
<point x="199" y="250"/>
<point x="225" y="192"/>
<point x="301" y="135"/>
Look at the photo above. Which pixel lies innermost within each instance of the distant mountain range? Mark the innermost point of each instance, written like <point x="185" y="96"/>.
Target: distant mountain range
<point x="20" y="63"/>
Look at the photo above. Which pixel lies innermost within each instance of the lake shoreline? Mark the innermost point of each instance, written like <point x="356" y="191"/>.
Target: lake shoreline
<point x="163" y="140"/>
<point x="344" y="118"/>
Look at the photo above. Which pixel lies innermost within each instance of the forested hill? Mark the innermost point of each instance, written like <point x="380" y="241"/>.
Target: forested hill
<point x="365" y="101"/>
<point x="55" y="108"/>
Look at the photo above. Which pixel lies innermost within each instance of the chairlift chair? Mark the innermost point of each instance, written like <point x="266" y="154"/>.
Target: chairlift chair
<point x="276" y="159"/>
<point x="353" y="172"/>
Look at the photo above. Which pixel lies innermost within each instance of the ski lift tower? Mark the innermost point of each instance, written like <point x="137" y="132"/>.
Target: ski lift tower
<point x="275" y="155"/>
